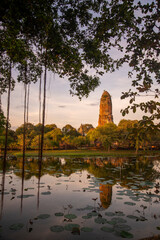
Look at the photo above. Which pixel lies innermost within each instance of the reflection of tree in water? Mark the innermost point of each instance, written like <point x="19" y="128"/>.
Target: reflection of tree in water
<point x="110" y="168"/>
<point x="105" y="195"/>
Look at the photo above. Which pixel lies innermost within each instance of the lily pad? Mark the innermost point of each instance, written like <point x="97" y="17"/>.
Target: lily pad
<point x="135" y="199"/>
<point x="16" y="226"/>
<point x="86" y="216"/>
<point x="92" y="214"/>
<point x="130" y="203"/>
<point x="115" y="221"/>
<point x="59" y="214"/>
<point x="125" y="234"/>
<point x="4" y="193"/>
<point x="43" y="216"/>
<point x="70" y="216"/>
<point x="119" y="213"/>
<point x="132" y="217"/>
<point x="46" y="193"/>
<point x="119" y="220"/>
<point x="100" y="220"/>
<point x="71" y="226"/>
<point x="122" y="227"/>
<point x="57" y="228"/>
<point x="25" y="196"/>
<point x="107" y="229"/>
<point x="110" y="214"/>
<point x="89" y="207"/>
<point x="86" y="229"/>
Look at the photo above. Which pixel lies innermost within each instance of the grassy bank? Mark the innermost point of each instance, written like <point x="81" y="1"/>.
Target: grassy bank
<point x="86" y="153"/>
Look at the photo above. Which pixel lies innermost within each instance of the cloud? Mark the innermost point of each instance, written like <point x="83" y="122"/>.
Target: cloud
<point x="93" y="104"/>
<point x="62" y="106"/>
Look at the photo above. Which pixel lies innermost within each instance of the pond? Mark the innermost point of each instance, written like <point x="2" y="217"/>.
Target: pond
<point x="80" y="198"/>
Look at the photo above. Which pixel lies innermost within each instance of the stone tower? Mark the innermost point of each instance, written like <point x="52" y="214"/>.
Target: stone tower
<point x="105" y="112"/>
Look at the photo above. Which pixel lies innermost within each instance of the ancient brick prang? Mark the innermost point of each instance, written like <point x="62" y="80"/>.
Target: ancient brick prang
<point x="105" y="112"/>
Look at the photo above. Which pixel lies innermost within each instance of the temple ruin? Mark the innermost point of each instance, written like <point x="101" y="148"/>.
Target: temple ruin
<point x="105" y="112"/>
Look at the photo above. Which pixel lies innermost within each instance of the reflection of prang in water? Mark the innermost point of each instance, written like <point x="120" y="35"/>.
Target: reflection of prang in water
<point x="105" y="195"/>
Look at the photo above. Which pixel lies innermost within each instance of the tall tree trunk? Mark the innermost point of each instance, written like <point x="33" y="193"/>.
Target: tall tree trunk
<point x="43" y="112"/>
<point x="24" y="124"/>
<point x="28" y="94"/>
<point x="43" y="123"/>
<point x="0" y="104"/>
<point x="22" y="189"/>
<point x="24" y="135"/>
<point x="2" y="190"/>
<point x="8" y="108"/>
<point x="40" y="90"/>
<point x="40" y="134"/>
<point x="6" y="136"/>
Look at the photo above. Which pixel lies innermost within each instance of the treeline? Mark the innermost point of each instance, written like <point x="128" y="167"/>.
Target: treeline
<point x="128" y="134"/>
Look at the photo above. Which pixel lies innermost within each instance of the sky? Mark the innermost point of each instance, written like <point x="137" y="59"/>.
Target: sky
<point x="62" y="108"/>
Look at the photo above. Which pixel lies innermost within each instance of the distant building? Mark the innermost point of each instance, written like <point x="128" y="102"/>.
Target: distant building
<point x="105" y="111"/>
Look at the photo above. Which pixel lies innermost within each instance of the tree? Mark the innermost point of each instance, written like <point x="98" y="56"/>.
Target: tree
<point x="29" y="126"/>
<point x="29" y="134"/>
<point x="55" y="136"/>
<point x="80" y="141"/>
<point x="125" y="136"/>
<point x="68" y="130"/>
<point x="67" y="141"/>
<point x="142" y="134"/>
<point x="134" y="28"/>
<point x="49" y="127"/>
<point x="84" y="128"/>
<point x="2" y="122"/>
<point x="2" y="129"/>
<point x="106" y="135"/>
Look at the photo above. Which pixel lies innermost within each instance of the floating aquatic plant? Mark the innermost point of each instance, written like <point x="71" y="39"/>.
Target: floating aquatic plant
<point x="86" y="229"/>
<point x="46" y="193"/>
<point x="130" y="203"/>
<point x="70" y="216"/>
<point x="59" y="214"/>
<point x="70" y="226"/>
<point x="57" y="228"/>
<point x="110" y="214"/>
<point x="107" y="229"/>
<point x="16" y="226"/>
<point x="43" y="216"/>
<point x="100" y="220"/>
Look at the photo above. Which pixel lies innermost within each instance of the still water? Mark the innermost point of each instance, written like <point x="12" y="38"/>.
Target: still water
<point x="80" y="198"/>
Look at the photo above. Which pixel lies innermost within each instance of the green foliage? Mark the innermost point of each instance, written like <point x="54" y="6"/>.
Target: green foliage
<point x="125" y="133"/>
<point x="2" y="122"/>
<point x="55" y="136"/>
<point x="105" y="135"/>
<point x="80" y="141"/>
<point x="49" y="127"/>
<point x="63" y="36"/>
<point x="68" y="130"/>
<point x="29" y="128"/>
<point x="50" y="34"/>
<point x="85" y="128"/>
<point x="138" y="134"/>
<point x="11" y="141"/>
